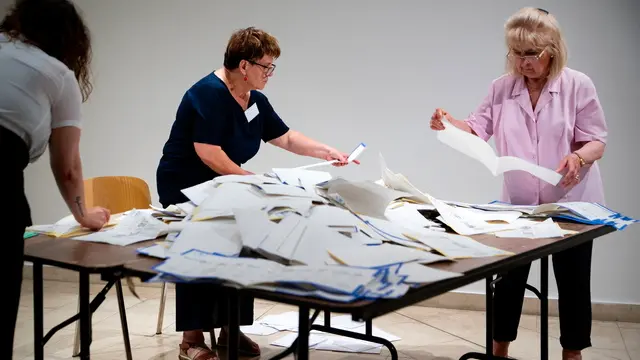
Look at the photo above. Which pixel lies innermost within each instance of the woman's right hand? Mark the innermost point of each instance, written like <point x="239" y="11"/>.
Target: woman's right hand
<point x="436" y="119"/>
<point x="95" y="218"/>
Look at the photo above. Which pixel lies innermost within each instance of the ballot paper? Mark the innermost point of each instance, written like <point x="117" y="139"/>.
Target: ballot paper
<point x="456" y="246"/>
<point x="416" y="273"/>
<point x="298" y="240"/>
<point x="213" y="237"/>
<point x="400" y="182"/>
<point x="381" y="255"/>
<point x="393" y="232"/>
<point x="198" y="193"/>
<point x="365" y="197"/>
<point x="69" y="227"/>
<point x="480" y="150"/>
<point x="249" y="271"/>
<point x="353" y="156"/>
<point x="300" y="177"/>
<point x="465" y="222"/>
<point x="134" y="227"/>
<point x="407" y="215"/>
<point x="224" y="198"/>
<point x="254" y="179"/>
<point x="544" y="229"/>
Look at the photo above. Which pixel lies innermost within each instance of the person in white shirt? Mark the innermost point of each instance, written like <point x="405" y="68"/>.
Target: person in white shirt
<point x="45" y="51"/>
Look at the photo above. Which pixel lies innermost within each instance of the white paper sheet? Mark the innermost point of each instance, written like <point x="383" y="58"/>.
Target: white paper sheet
<point x="365" y="197"/>
<point x="206" y="236"/>
<point x="478" y="149"/>
<point x="457" y="246"/>
<point x="420" y="274"/>
<point x="135" y="227"/>
<point x="198" y="193"/>
<point x="258" y="329"/>
<point x="400" y="182"/>
<point x="254" y="226"/>
<point x="301" y="177"/>
<point x="288" y="339"/>
<point x="408" y="216"/>
<point x="544" y="229"/>
<point x="381" y="255"/>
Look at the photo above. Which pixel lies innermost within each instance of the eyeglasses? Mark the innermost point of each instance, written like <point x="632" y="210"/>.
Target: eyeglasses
<point x="268" y="70"/>
<point x="530" y="57"/>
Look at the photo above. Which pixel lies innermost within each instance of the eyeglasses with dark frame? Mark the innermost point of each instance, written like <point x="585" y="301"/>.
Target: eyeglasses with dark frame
<point x="532" y="58"/>
<point x="268" y="70"/>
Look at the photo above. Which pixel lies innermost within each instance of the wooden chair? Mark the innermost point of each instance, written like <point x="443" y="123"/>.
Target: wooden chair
<point x="118" y="194"/>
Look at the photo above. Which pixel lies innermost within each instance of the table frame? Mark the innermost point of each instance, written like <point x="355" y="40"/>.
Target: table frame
<point x="360" y="311"/>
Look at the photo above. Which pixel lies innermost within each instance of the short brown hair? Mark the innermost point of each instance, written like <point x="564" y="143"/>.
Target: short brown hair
<point x="57" y="28"/>
<point x="249" y="44"/>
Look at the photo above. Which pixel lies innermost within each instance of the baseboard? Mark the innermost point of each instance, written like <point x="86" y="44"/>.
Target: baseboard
<point x="476" y="302"/>
<point x="451" y="300"/>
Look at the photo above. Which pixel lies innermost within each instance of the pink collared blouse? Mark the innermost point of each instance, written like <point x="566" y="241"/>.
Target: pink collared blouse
<point x="568" y="114"/>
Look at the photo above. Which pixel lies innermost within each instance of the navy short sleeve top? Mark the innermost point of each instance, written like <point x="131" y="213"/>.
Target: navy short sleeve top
<point x="209" y="114"/>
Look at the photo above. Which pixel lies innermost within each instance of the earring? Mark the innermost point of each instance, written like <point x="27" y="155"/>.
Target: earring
<point x="246" y="78"/>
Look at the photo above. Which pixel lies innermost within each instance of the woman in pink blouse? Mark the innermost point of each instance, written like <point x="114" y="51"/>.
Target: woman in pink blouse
<point x="550" y="115"/>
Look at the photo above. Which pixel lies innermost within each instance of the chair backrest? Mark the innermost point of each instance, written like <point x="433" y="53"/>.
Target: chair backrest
<point x="117" y="193"/>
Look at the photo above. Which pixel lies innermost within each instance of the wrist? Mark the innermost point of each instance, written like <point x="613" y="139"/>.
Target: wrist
<point x="580" y="159"/>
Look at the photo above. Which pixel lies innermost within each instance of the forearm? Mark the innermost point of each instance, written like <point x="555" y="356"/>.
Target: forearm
<point x="71" y="185"/>
<point x="300" y="144"/>
<point x="221" y="164"/>
<point x="591" y="151"/>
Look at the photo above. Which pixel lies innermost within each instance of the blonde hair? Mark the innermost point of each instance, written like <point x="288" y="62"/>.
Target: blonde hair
<point x="536" y="29"/>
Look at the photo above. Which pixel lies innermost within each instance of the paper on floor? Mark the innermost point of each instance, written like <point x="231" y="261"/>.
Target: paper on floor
<point x="481" y="151"/>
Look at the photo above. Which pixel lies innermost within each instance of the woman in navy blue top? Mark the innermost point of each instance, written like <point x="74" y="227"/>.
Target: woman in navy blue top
<point x="219" y="126"/>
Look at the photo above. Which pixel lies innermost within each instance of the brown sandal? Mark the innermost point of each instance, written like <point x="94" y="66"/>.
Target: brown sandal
<point x="247" y="346"/>
<point x="190" y="351"/>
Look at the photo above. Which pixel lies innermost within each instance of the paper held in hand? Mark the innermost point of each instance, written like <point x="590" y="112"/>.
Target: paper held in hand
<point x="478" y="149"/>
<point x="353" y="156"/>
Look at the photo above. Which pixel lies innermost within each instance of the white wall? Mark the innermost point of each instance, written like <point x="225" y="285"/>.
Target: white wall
<point x="355" y="71"/>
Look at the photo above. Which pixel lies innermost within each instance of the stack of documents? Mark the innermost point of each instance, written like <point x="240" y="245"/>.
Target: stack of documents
<point x="582" y="212"/>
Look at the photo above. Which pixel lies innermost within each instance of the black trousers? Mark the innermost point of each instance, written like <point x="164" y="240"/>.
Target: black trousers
<point x="572" y="269"/>
<point x="205" y="306"/>
<point x="14" y="159"/>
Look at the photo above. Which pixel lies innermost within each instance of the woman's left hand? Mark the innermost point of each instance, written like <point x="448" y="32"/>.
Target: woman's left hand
<point x="570" y="164"/>
<point x="339" y="156"/>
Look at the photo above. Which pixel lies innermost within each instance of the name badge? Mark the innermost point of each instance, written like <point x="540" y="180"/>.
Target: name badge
<point x="251" y="112"/>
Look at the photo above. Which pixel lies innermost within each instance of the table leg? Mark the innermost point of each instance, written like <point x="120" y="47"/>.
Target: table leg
<point x="85" y="316"/>
<point x="488" y="354"/>
<point x="303" y="333"/>
<point x="234" y="325"/>
<point x="544" y="308"/>
<point x="123" y="320"/>
<point x="38" y="317"/>
<point x="489" y="317"/>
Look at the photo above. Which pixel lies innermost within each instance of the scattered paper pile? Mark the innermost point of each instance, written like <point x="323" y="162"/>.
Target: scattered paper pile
<point x="288" y="321"/>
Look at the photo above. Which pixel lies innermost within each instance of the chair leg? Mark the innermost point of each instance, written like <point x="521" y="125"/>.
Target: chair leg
<point x="76" y="341"/>
<point x="163" y="299"/>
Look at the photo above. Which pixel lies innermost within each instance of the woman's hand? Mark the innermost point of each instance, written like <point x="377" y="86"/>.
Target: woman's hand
<point x="95" y="218"/>
<point x="436" y="119"/>
<point x="571" y="165"/>
<point x="340" y="157"/>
